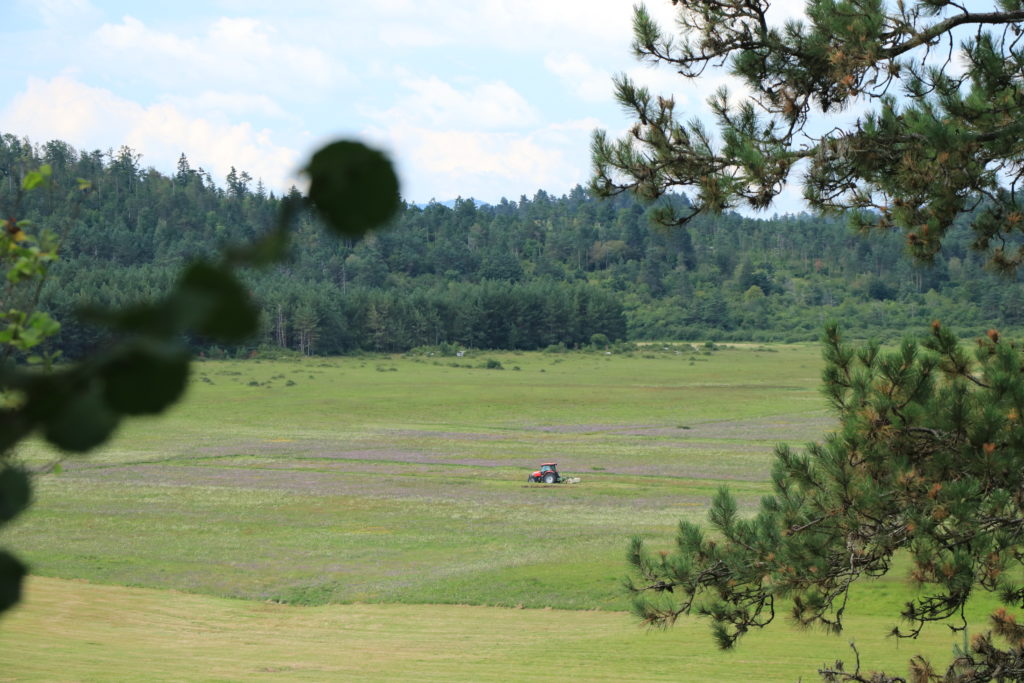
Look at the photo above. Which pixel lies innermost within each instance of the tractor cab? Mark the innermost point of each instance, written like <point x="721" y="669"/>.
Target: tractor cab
<point x="548" y="473"/>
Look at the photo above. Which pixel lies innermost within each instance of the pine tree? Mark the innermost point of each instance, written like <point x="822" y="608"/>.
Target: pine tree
<point x="76" y="407"/>
<point x="184" y="171"/>
<point x="934" y="142"/>
<point x="928" y="460"/>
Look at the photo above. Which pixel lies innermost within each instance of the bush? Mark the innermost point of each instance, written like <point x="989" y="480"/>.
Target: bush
<point x="444" y="349"/>
<point x="268" y="352"/>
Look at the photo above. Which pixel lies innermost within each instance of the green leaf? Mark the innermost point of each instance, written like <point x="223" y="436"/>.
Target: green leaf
<point x="11" y="574"/>
<point x="153" y="320"/>
<point x="145" y="378"/>
<point x="216" y="303"/>
<point x="353" y="187"/>
<point x="15" y="492"/>
<point x="34" y="179"/>
<point x="81" y="422"/>
<point x="270" y="248"/>
<point x="38" y="328"/>
<point x="14" y="426"/>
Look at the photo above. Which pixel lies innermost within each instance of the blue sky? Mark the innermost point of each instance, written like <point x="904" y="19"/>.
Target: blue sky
<point x="481" y="98"/>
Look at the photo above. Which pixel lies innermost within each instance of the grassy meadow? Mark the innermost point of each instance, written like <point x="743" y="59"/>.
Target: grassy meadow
<point x="290" y="513"/>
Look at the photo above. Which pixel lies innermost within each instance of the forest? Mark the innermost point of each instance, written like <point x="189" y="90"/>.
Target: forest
<point x="540" y="272"/>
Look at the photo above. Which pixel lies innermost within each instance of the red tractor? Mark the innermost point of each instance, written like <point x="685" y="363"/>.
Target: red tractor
<point x="548" y="473"/>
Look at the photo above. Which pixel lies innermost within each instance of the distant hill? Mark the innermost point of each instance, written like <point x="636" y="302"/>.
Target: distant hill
<point x="542" y="271"/>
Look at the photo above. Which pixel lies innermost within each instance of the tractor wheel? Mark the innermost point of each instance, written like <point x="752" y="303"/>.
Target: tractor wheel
<point x="530" y="478"/>
<point x="549" y="478"/>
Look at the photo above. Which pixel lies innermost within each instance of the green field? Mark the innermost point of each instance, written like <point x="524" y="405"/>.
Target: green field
<point x="396" y="486"/>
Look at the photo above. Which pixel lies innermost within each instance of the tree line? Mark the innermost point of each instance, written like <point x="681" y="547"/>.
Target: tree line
<point x="526" y="274"/>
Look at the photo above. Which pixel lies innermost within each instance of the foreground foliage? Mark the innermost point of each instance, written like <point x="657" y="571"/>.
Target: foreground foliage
<point x="928" y="461"/>
<point x="77" y="407"/>
<point x="940" y="134"/>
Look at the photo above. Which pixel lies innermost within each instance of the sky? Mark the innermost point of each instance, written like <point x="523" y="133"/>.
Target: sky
<point x="470" y="98"/>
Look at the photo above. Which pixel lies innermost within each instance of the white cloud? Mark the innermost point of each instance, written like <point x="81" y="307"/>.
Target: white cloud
<point x="593" y="84"/>
<point x="443" y="164"/>
<point x="588" y="82"/>
<point x="406" y="35"/>
<point x="487" y="165"/>
<point x="516" y="25"/>
<point x="93" y="118"/>
<point x="63" y="13"/>
<point x="438" y="104"/>
<point x="480" y="127"/>
<point x="604" y="25"/>
<point x="227" y="105"/>
<point x="233" y="53"/>
<point x="482" y="140"/>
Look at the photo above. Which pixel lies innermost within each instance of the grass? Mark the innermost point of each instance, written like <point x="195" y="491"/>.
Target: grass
<point x="78" y="631"/>
<point x="333" y="484"/>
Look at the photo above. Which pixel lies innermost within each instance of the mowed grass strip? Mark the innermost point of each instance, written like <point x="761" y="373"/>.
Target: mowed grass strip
<point x="71" y="630"/>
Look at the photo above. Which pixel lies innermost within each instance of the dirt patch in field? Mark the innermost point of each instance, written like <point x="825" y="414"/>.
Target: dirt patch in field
<point x="380" y="463"/>
<point x="753" y="470"/>
<point x="385" y="455"/>
<point x="388" y="454"/>
<point x="716" y="446"/>
<point x="779" y="428"/>
<point x="366" y="485"/>
<point x="587" y="428"/>
<point x="316" y="482"/>
<point x="776" y="428"/>
<point x="447" y="436"/>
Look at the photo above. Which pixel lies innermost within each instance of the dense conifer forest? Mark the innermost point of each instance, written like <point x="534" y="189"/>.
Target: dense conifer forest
<point x="532" y="273"/>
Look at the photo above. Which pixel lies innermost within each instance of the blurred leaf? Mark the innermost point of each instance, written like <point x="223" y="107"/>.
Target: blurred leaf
<point x="353" y="187"/>
<point x="153" y="320"/>
<point x="38" y="328"/>
<point x="34" y="179"/>
<point x="13" y="428"/>
<point x="81" y="422"/>
<point x="11" y="574"/>
<point x="216" y="303"/>
<point x="270" y="248"/>
<point x="15" y="492"/>
<point x="145" y="378"/>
